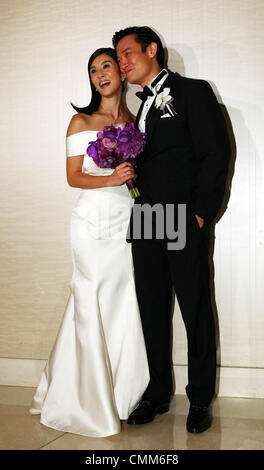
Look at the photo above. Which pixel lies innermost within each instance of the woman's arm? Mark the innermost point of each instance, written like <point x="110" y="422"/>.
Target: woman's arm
<point x="77" y="179"/>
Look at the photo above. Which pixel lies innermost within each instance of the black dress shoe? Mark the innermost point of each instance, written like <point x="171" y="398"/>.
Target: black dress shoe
<point x="146" y="412"/>
<point x="199" y="419"/>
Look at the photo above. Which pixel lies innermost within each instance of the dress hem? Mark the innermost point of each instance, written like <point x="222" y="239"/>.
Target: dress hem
<point x="57" y="428"/>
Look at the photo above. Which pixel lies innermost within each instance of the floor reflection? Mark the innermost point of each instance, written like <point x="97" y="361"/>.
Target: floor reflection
<point x="238" y="424"/>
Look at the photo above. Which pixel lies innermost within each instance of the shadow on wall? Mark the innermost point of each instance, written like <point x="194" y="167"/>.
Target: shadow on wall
<point x="231" y="170"/>
<point x="175" y="63"/>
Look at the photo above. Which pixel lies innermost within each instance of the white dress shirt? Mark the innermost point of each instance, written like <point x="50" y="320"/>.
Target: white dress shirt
<point x="149" y="101"/>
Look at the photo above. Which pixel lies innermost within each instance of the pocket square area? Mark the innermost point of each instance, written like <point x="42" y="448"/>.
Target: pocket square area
<point x="167" y="115"/>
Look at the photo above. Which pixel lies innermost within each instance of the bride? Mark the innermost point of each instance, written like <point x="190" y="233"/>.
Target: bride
<point x="97" y="370"/>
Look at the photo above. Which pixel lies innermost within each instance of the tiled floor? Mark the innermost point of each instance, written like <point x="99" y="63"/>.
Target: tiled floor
<point x="238" y="424"/>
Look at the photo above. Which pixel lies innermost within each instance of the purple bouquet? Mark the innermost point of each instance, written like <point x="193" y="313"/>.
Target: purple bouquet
<point x="115" y="145"/>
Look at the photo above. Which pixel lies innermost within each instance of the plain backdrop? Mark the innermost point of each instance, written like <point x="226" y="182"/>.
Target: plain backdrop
<point x="45" y="46"/>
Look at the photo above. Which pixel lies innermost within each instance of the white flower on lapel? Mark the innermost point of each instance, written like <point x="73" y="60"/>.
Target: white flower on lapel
<point x="163" y="100"/>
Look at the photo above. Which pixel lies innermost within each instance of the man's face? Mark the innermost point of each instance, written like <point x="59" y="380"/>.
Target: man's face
<point x="135" y="64"/>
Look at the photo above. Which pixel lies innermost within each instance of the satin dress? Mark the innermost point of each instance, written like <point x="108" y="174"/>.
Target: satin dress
<point x="97" y="371"/>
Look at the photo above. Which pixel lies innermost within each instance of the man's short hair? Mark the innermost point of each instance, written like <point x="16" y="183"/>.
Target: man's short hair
<point x="144" y="36"/>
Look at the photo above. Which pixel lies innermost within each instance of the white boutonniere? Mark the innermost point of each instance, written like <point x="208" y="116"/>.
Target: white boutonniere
<point x="163" y="100"/>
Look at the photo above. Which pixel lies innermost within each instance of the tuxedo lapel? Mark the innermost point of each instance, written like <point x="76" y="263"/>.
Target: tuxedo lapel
<point x="151" y="118"/>
<point x="154" y="114"/>
<point x="139" y="114"/>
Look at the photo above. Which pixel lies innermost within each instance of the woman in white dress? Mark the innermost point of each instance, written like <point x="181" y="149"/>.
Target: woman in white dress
<point x="97" y="370"/>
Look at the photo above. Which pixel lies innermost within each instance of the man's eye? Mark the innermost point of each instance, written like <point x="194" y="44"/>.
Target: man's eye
<point x="93" y="71"/>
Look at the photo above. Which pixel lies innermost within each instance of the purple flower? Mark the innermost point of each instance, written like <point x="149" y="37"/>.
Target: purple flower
<point x="109" y="143"/>
<point x="123" y="137"/>
<point x="92" y="150"/>
<point x="116" y="144"/>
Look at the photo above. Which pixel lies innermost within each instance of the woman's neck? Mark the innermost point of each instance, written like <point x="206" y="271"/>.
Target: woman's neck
<point x="112" y="106"/>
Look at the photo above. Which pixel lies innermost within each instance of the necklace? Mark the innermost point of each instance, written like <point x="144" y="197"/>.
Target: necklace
<point x="116" y="121"/>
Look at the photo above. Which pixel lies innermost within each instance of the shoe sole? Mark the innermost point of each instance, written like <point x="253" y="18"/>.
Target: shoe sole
<point x="161" y="410"/>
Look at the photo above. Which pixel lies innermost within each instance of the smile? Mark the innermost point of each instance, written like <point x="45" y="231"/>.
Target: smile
<point x="104" y="84"/>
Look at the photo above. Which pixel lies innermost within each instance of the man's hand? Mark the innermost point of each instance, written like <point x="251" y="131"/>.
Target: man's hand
<point x="199" y="220"/>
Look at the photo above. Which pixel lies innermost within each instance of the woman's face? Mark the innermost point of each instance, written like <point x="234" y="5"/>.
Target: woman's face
<point x="105" y="75"/>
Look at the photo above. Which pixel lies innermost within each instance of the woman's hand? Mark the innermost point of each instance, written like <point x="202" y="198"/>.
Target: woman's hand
<point x="122" y="173"/>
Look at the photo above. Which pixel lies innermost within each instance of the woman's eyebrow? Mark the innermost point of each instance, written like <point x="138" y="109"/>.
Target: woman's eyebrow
<point x="104" y="62"/>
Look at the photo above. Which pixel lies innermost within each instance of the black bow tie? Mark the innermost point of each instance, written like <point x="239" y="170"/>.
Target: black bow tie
<point x="145" y="93"/>
<point x="146" y="90"/>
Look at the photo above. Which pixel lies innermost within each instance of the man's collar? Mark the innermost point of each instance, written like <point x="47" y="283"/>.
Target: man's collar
<point x="162" y="75"/>
<point x="149" y="90"/>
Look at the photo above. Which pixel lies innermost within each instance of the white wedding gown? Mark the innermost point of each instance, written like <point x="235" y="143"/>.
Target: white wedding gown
<point x="97" y="370"/>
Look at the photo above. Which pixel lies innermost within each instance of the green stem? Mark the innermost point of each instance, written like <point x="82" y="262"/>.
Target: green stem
<point x="134" y="192"/>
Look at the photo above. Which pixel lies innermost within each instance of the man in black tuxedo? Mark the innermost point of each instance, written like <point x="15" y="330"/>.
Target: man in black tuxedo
<point x="185" y="161"/>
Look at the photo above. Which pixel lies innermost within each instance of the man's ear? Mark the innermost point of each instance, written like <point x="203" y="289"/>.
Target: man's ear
<point x="152" y="49"/>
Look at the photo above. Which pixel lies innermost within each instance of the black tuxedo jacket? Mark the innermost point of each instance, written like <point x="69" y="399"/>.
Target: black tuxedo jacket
<point x="185" y="160"/>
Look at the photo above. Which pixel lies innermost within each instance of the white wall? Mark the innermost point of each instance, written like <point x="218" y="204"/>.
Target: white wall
<point x="45" y="46"/>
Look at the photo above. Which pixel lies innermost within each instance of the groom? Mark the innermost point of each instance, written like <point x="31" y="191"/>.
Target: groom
<point x="185" y="161"/>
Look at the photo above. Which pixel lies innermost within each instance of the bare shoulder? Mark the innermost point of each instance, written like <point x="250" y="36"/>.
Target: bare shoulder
<point x="79" y="122"/>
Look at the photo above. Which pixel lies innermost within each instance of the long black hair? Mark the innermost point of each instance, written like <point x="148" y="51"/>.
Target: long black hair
<point x="96" y="97"/>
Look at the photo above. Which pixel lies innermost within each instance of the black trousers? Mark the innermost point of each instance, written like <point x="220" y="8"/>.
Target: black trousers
<point x="157" y="271"/>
